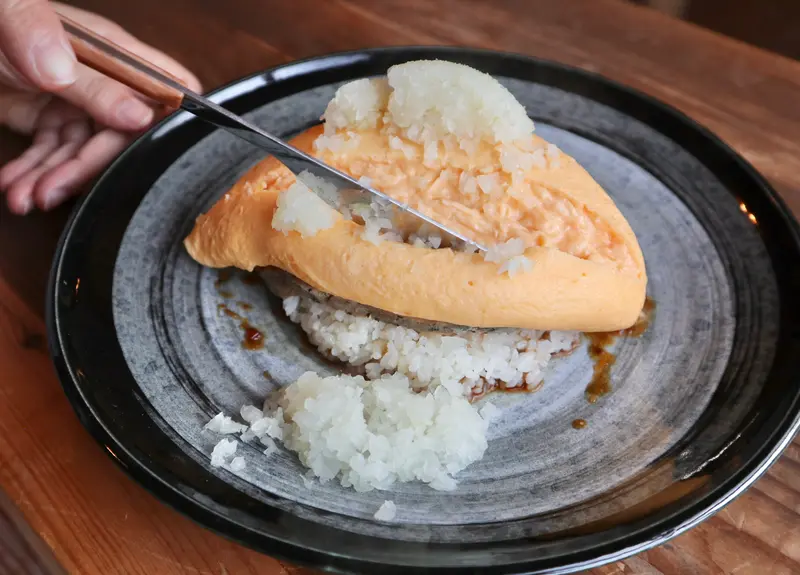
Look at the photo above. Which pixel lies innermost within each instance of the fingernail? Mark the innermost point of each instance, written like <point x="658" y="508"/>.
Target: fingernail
<point x="54" y="62"/>
<point x="134" y="113"/>
<point x="26" y="205"/>
<point x="53" y="198"/>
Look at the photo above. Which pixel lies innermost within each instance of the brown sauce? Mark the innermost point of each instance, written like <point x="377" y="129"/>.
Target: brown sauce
<point x="252" y="279"/>
<point x="637" y="329"/>
<point x="500" y="387"/>
<point x="579" y="423"/>
<point x="603" y="359"/>
<point x="601" y="372"/>
<point x="229" y="312"/>
<point x="253" y="338"/>
<point x="225" y="293"/>
<point x="244" y="305"/>
<point x="222" y="277"/>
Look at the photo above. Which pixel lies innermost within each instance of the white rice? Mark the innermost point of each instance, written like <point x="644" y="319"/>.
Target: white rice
<point x="250" y="414"/>
<point x="414" y="423"/>
<point x="325" y="190"/>
<point x="465" y="362"/>
<point x="371" y="434"/>
<point x="222" y="452"/>
<point x="433" y="103"/>
<point x="489" y="411"/>
<point x="431" y="100"/>
<point x="301" y="210"/>
<point x="357" y="105"/>
<point x="377" y="218"/>
<point x="510" y="257"/>
<point x="224" y="425"/>
<point x="386" y="512"/>
<point x="271" y="447"/>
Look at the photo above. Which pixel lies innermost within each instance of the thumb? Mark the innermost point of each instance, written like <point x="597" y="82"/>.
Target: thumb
<point x="34" y="42"/>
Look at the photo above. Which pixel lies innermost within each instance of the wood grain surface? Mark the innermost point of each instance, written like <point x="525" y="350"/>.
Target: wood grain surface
<point x="97" y="521"/>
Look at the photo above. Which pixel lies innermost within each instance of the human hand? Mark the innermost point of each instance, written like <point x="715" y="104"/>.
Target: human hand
<point x="79" y="119"/>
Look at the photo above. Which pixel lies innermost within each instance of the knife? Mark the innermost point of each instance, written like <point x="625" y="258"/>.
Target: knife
<point x="115" y="62"/>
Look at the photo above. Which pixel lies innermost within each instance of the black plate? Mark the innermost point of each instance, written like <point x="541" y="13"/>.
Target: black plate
<point x="748" y="416"/>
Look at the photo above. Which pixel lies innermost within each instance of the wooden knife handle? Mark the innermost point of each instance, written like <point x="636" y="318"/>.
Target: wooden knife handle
<point x="121" y="72"/>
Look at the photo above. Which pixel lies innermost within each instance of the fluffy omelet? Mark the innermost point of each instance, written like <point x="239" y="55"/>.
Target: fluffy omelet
<point x="454" y="144"/>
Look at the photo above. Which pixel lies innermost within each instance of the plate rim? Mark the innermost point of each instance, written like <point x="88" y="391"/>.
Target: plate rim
<point x="782" y="435"/>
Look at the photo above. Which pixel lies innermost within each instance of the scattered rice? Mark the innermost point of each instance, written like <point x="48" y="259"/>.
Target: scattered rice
<point x="251" y="414"/>
<point x="269" y="426"/>
<point x="386" y="512"/>
<point x="224" y="425"/>
<point x="489" y="411"/>
<point x="223" y="451"/>
<point x="408" y="150"/>
<point x="271" y="447"/>
<point x="308" y="479"/>
<point x="553" y="155"/>
<point x="467" y="361"/>
<point x="515" y="265"/>
<point x="510" y="257"/>
<point x="378" y="222"/>
<point x="301" y="210"/>
<point x="430" y="153"/>
<point x="290" y="304"/>
<point x="490" y="184"/>
<point x="468" y="184"/>
<point x="432" y="241"/>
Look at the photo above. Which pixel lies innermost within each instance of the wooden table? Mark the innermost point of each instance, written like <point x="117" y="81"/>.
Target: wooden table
<point x="97" y="521"/>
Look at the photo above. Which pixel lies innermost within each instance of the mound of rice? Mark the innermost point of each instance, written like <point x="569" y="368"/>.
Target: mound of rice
<point x="469" y="362"/>
<point x="369" y="434"/>
<point x="430" y="101"/>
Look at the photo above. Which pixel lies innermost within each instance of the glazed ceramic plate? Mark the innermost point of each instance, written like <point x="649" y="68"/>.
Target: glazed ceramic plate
<point x="701" y="403"/>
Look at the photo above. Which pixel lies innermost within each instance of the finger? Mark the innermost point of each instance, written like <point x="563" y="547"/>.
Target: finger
<point x="73" y="136"/>
<point x="44" y="143"/>
<point x="20" y="111"/>
<point x="68" y="179"/>
<point x="32" y="38"/>
<point x="108" y="101"/>
<point x="125" y="39"/>
<point x="58" y="113"/>
<point x="49" y="122"/>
